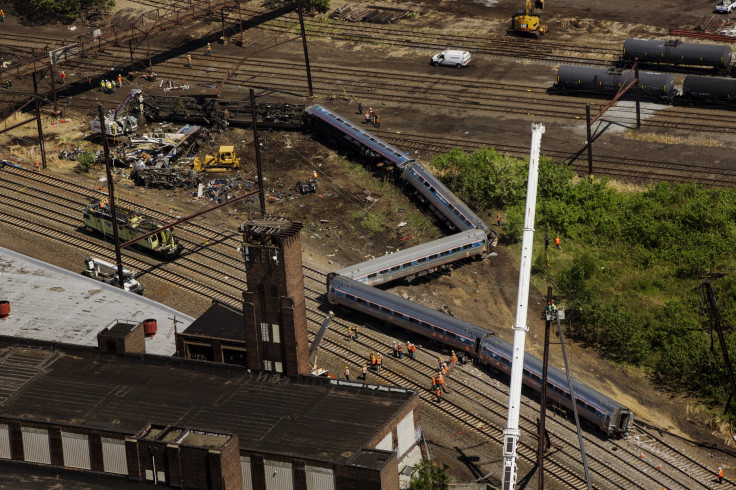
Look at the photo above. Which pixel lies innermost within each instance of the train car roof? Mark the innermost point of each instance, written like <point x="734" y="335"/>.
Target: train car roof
<point x="448" y="195"/>
<point x="368" y="139"/>
<point x="408" y="254"/>
<point x="407" y="307"/>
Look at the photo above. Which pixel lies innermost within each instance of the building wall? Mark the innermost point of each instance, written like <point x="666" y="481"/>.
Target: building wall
<point x="275" y="300"/>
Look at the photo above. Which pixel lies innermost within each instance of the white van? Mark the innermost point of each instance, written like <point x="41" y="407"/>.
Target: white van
<point x="452" y="57"/>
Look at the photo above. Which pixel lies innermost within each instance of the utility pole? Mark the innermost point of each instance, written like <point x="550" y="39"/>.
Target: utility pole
<point x="38" y="122"/>
<point x="718" y="324"/>
<point x="111" y="197"/>
<point x="511" y="433"/>
<point x="542" y="437"/>
<point x="256" y="144"/>
<point x="304" y="42"/>
<point x="590" y="139"/>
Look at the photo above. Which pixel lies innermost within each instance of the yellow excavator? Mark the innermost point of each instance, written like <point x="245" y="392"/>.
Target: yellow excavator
<point x="526" y="21"/>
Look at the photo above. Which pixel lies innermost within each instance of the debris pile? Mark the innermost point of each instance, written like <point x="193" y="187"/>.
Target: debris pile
<point x="376" y="15"/>
<point x="164" y="178"/>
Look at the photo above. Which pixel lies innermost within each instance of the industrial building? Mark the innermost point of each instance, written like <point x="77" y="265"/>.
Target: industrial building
<point x="195" y="424"/>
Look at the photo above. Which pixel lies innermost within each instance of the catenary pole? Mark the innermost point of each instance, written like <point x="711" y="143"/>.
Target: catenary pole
<point x="511" y="433"/>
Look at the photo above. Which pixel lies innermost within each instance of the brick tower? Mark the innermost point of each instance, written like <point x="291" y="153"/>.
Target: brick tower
<point x="273" y="307"/>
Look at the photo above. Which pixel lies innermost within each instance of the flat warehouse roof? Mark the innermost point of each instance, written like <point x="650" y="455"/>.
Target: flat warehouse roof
<point x="311" y="418"/>
<point x="52" y="304"/>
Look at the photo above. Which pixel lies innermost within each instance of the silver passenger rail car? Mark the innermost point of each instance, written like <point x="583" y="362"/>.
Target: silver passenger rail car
<point x="446" y="204"/>
<point x="598" y="409"/>
<point x="417" y="261"/>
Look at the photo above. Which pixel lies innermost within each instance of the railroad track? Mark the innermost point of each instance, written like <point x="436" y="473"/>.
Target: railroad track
<point x="632" y="471"/>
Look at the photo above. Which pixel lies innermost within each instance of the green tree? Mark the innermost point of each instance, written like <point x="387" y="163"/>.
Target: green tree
<point x="430" y="476"/>
<point x="85" y="160"/>
<point x="50" y="10"/>
<point x="321" y="6"/>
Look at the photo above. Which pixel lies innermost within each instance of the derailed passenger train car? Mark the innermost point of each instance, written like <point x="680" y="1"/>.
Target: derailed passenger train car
<point x="584" y="79"/>
<point x="676" y="52"/>
<point x="605" y="413"/>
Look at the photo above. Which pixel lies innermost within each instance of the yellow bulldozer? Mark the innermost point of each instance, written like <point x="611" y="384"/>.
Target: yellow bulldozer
<point x="225" y="160"/>
<point x="525" y="22"/>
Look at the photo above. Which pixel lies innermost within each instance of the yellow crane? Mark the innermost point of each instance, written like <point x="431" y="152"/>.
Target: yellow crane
<point x="526" y="20"/>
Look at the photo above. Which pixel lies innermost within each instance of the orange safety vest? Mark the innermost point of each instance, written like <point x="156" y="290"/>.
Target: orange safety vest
<point x="401" y="347"/>
<point x="720" y="472"/>
<point x="365" y="369"/>
<point x="379" y="360"/>
<point x="557" y="240"/>
<point x="413" y="348"/>
<point x="373" y="361"/>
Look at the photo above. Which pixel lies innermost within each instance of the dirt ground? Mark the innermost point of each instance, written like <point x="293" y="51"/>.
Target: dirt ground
<point x="343" y="226"/>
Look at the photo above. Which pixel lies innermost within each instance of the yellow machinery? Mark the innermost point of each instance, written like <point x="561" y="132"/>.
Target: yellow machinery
<point x="526" y="20"/>
<point x="226" y="160"/>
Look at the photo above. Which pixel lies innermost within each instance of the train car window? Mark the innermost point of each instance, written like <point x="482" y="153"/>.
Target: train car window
<point x="372" y="305"/>
<point x="350" y="297"/>
<point x="445" y="253"/>
<point x="440" y="331"/>
<point x="413" y="320"/>
<point x="432" y="189"/>
<point x="425" y="325"/>
<point x="360" y="301"/>
<point x="384" y="271"/>
<point x="394" y="269"/>
<point x="398" y="314"/>
<point x="465" y="247"/>
<point x="373" y="276"/>
<point x="455" y="250"/>
<point x="426" y="184"/>
<point x="422" y="260"/>
<point x="408" y="264"/>
<point x="433" y="257"/>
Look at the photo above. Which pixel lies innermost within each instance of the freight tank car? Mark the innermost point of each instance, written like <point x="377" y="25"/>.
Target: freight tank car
<point x="709" y="90"/>
<point x="97" y="217"/>
<point x="584" y="79"/>
<point x="676" y="52"/>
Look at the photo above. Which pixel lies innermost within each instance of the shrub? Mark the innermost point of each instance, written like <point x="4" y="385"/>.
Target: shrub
<point x="85" y="160"/>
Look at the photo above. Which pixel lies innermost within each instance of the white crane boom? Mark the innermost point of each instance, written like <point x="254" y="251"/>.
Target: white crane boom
<point x="511" y="433"/>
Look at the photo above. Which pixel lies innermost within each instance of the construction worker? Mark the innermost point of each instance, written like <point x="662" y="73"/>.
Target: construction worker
<point x="38" y="166"/>
<point x="102" y="86"/>
<point x="374" y="362"/>
<point x="2" y="15"/>
<point x="498" y="219"/>
<point x="189" y="60"/>
<point x="379" y="362"/>
<point x="720" y="475"/>
<point x="108" y="86"/>
<point x="439" y="394"/>
<point x="360" y="108"/>
<point x="356" y="332"/>
<point x="453" y="358"/>
<point x="365" y="371"/>
<point x="347" y="373"/>
<point x="315" y="175"/>
<point x="401" y="351"/>
<point x="441" y="382"/>
<point x="367" y="117"/>
<point x="434" y="383"/>
<point x="557" y="242"/>
<point x="113" y="87"/>
<point x="63" y="76"/>
<point x="395" y="349"/>
<point x="350" y="332"/>
<point x="408" y="348"/>
<point x="413" y="351"/>
<point x="378" y="121"/>
<point x="120" y="80"/>
<point x="209" y="50"/>
<point x="370" y="111"/>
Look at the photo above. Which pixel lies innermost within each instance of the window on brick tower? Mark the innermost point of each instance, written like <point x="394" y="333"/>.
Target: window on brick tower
<point x="279" y="366"/>
<point x="264" y="332"/>
<point x="267" y="365"/>
<point x="276" y="335"/>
